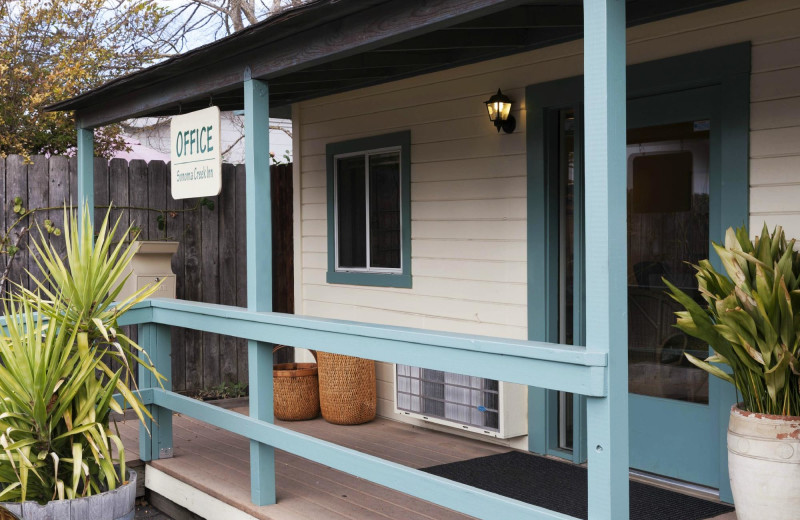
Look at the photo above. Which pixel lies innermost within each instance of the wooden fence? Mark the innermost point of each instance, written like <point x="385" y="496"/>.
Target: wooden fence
<point x="210" y="264"/>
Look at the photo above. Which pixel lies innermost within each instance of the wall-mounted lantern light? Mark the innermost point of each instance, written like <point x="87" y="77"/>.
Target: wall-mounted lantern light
<point x="499" y="107"/>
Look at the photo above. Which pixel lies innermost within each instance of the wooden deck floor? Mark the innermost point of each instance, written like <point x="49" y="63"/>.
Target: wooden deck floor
<point x="216" y="462"/>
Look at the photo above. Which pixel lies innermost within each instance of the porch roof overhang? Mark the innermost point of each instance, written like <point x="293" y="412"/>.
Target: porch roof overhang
<point x="330" y="46"/>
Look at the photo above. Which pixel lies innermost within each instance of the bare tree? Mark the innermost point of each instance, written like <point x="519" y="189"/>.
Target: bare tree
<point x="201" y="21"/>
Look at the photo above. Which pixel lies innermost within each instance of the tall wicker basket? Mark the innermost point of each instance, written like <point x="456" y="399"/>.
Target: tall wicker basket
<point x="346" y="388"/>
<point x="295" y="389"/>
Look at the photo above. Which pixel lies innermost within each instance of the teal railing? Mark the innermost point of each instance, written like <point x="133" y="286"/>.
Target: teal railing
<point x="558" y="367"/>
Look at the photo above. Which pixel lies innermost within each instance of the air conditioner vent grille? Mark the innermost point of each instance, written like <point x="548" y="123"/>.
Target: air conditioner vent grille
<point x="462" y="399"/>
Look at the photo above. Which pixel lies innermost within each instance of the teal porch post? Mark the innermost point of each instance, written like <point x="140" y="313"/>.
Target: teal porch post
<point x="259" y="279"/>
<point x="606" y="266"/>
<point x="157" y="444"/>
<point x="85" y="170"/>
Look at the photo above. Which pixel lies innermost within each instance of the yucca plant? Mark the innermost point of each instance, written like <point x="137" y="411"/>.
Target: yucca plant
<point x="56" y="385"/>
<point x="751" y="319"/>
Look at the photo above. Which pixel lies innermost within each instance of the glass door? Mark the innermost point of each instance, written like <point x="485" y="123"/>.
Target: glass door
<point x="673" y="162"/>
<point x="688" y="123"/>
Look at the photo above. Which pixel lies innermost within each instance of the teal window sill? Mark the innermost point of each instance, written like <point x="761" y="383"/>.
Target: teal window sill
<point x="402" y="281"/>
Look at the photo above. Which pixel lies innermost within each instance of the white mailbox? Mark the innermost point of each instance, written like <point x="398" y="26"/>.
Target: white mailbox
<point x="151" y="263"/>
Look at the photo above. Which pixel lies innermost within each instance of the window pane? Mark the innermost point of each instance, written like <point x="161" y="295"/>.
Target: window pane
<point x="384" y="208"/>
<point x="668" y="197"/>
<point x="351" y="211"/>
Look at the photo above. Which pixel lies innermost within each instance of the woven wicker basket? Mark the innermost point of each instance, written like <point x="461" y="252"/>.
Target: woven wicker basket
<point x="296" y="391"/>
<point x="346" y="388"/>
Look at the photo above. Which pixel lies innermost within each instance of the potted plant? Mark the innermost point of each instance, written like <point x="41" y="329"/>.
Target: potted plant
<point x="56" y="385"/>
<point x="751" y="319"/>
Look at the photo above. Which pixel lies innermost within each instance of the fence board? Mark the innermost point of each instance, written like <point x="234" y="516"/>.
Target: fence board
<point x="282" y="255"/>
<point x="38" y="189"/>
<point x="119" y="195"/>
<point x="137" y="196"/>
<point x="193" y="290"/>
<point x="283" y="266"/>
<point x="241" y="264"/>
<point x="157" y="196"/>
<point x="209" y="276"/>
<point x="101" y="189"/>
<point x="3" y="193"/>
<point x="175" y="231"/>
<point x="58" y="194"/>
<point x="226" y="209"/>
<point x="210" y="264"/>
<point x="16" y="186"/>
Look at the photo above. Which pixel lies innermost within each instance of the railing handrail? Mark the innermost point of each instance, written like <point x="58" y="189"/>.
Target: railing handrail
<point x="548" y="365"/>
<point x="559" y="367"/>
<point x="498" y="345"/>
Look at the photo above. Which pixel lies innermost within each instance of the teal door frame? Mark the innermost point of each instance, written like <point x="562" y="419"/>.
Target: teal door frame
<point x="727" y="68"/>
<point x="543" y="250"/>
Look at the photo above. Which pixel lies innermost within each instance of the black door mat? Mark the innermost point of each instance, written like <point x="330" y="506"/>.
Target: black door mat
<point x="562" y="487"/>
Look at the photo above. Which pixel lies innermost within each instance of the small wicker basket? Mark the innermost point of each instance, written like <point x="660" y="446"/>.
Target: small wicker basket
<point x="346" y="388"/>
<point x="295" y="391"/>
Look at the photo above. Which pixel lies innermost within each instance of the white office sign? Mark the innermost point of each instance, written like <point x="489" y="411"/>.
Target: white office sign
<point x="195" y="154"/>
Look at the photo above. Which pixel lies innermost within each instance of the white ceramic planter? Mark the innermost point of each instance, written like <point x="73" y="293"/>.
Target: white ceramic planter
<point x="764" y="465"/>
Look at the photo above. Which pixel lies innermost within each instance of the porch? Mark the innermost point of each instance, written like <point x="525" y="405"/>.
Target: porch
<point x="270" y="76"/>
<point x="215" y="463"/>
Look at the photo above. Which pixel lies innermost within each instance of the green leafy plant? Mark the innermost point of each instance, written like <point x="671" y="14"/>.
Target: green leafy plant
<point x="56" y="386"/>
<point x="751" y="319"/>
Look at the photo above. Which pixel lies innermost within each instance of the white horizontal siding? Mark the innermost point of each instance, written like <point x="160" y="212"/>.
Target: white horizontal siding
<point x="342" y="311"/>
<point x="775" y="113"/>
<point x="469" y="182"/>
<point x="469" y="190"/>
<point x="496" y="250"/>
<point x="775" y="135"/>
<point x="408" y="303"/>
<point x="774" y="170"/>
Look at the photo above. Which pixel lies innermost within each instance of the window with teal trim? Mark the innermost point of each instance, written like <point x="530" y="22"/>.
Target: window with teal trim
<point x="368" y="211"/>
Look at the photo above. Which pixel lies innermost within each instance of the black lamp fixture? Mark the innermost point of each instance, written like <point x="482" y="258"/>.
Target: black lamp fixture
<point x="499" y="107"/>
